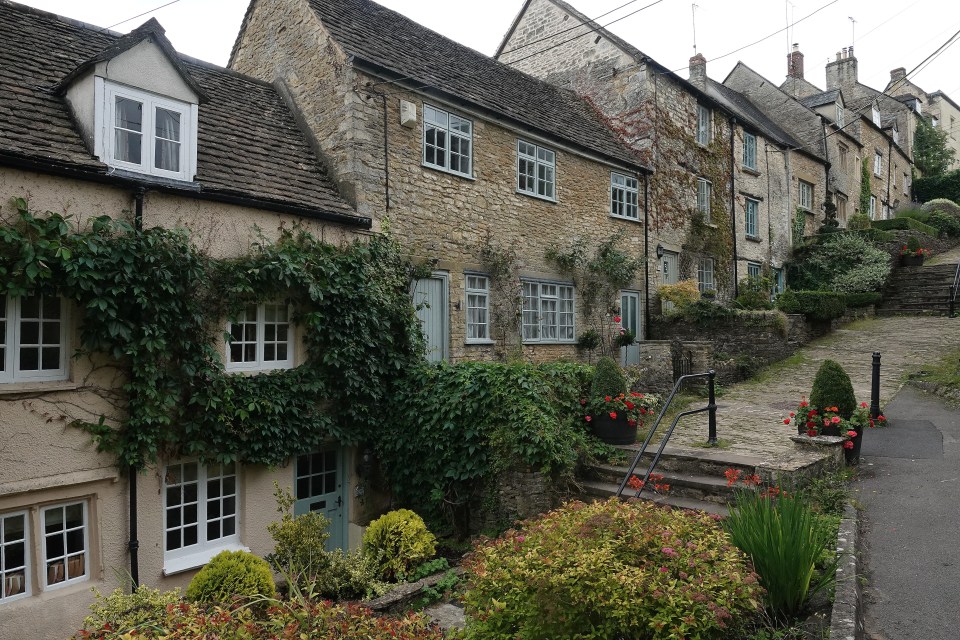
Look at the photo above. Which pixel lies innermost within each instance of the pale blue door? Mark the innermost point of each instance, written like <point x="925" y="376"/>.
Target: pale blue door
<point x="630" y="320"/>
<point x="430" y="300"/>
<point x="319" y="487"/>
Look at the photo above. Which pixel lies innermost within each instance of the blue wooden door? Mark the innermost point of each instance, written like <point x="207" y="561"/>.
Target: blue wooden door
<point x="631" y="321"/>
<point x="430" y="299"/>
<point x="319" y="487"/>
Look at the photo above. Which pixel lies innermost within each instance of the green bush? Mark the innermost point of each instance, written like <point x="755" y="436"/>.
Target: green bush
<point x="754" y="293"/>
<point x="232" y="574"/>
<point x="123" y="612"/>
<point x="858" y="221"/>
<point x="946" y="186"/>
<point x="706" y="313"/>
<point x="942" y="205"/>
<point x="816" y="305"/>
<point x="905" y="224"/>
<point x="913" y="244"/>
<point x="917" y="214"/>
<point x="858" y="300"/>
<point x="397" y="542"/>
<point x="947" y="224"/>
<point x="784" y="538"/>
<point x="874" y="236"/>
<point x="846" y="262"/>
<point x="832" y="388"/>
<point x="609" y="570"/>
<point x="608" y="379"/>
<point x="349" y="576"/>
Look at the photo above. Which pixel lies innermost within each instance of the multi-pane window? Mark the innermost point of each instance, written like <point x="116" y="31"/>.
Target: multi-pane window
<point x="536" y="170"/>
<point x="806" y="195"/>
<point x="147" y="133"/>
<point x="704" y="193"/>
<point x="875" y="115"/>
<point x="624" y="196"/>
<point x="754" y="269"/>
<point x="842" y="208"/>
<point x="779" y="284"/>
<point x="906" y="184"/>
<point x="547" y="312"/>
<point x="65" y="554"/>
<point x="703" y="125"/>
<point x="200" y="507"/>
<point x="840" y="117"/>
<point x="33" y="336"/>
<point x="478" y="308"/>
<point x="14" y="558"/>
<point x="873" y="207"/>
<point x="877" y="163"/>
<point x="447" y="141"/>
<point x="749" y="151"/>
<point x="843" y="156"/>
<point x="260" y="338"/>
<point x="752" y="210"/>
<point x="705" y="275"/>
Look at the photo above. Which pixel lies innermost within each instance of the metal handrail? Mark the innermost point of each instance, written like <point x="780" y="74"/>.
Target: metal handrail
<point x="711" y="435"/>
<point x="953" y="290"/>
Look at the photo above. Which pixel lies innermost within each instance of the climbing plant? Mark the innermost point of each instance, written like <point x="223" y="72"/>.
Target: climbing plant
<point x="865" y="187"/>
<point x="502" y="264"/>
<point x="155" y="303"/>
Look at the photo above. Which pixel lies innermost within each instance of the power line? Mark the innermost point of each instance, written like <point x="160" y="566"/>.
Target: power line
<point x="568" y="29"/>
<point x="141" y="14"/>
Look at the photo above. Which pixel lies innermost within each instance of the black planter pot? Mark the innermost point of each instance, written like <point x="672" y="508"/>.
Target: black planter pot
<point x="832" y="430"/>
<point x="852" y="455"/>
<point x="911" y="261"/>
<point x="613" y="431"/>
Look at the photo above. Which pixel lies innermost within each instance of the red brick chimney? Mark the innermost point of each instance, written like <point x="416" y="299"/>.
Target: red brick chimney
<point x="795" y="63"/>
<point x="698" y="72"/>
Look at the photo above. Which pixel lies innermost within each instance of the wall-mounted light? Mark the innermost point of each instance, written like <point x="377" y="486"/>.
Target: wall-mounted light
<point x="365" y="463"/>
<point x="659" y="250"/>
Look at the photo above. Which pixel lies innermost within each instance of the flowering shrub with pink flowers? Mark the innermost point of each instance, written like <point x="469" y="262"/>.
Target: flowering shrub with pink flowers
<point x="610" y="569"/>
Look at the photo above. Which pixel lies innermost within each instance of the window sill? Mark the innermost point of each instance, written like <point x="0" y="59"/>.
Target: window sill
<point x="180" y="183"/>
<point x="252" y="371"/>
<point x="447" y="171"/>
<point x="479" y="343"/>
<point x="198" y="559"/>
<point x="754" y="239"/>
<point x="37" y="386"/>
<point x="533" y="343"/>
<point x="626" y="218"/>
<point x="751" y="171"/>
<point x="538" y="197"/>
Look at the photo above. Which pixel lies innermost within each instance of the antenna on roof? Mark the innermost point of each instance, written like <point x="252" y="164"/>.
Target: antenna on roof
<point x="693" y="11"/>
<point x="853" y="30"/>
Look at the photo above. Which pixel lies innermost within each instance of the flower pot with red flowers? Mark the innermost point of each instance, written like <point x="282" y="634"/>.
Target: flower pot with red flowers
<point x="826" y="422"/>
<point x="912" y="254"/>
<point x="612" y="413"/>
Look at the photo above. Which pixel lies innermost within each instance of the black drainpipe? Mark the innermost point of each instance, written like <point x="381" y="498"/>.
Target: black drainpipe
<point x="646" y="257"/>
<point x="134" y="544"/>
<point x="733" y="202"/>
<point x="889" y="169"/>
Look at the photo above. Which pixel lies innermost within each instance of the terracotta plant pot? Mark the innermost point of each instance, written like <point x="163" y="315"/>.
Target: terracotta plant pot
<point x="613" y="431"/>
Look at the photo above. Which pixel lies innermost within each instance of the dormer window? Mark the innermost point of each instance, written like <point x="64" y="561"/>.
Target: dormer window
<point x="840" y="118"/>
<point x="143" y="132"/>
<point x="875" y="115"/>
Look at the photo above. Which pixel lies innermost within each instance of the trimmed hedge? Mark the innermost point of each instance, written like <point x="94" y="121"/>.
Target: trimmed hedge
<point x="945" y="186"/>
<point x="815" y="305"/>
<point x="877" y="236"/>
<point x="906" y="224"/>
<point x="858" y="300"/>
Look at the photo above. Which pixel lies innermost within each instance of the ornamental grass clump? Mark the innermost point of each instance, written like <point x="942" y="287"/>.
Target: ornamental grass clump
<point x="610" y="570"/>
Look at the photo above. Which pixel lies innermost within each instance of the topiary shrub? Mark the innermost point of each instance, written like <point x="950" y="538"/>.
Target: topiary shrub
<point x="608" y="379"/>
<point x="942" y="205"/>
<point x="832" y="388"/>
<point x="609" y="570"/>
<point x="858" y="221"/>
<point x="232" y="574"/>
<point x="123" y="611"/>
<point x="397" y="542"/>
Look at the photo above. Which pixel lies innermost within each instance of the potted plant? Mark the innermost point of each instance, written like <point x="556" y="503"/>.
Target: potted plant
<point x="912" y="254"/>
<point x="613" y="413"/>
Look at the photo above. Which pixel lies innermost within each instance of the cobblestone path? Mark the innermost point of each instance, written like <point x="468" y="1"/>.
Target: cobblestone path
<point x="750" y="415"/>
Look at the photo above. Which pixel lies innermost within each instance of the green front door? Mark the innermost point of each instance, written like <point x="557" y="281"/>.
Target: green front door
<point x="319" y="487"/>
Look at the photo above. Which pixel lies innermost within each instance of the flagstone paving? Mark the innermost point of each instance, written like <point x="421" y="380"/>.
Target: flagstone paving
<point x="750" y="414"/>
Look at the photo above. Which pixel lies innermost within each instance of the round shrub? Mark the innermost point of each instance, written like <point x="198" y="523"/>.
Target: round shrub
<point x="832" y="388"/>
<point x="942" y="205"/>
<point x="859" y="221"/>
<point x="845" y="262"/>
<point x="945" y="223"/>
<point x="608" y="379"/>
<point x="398" y="541"/>
<point x="232" y="574"/>
<point x="610" y="570"/>
<point x="122" y="611"/>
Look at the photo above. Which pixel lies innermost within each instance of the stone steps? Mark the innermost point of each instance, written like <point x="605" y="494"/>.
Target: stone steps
<point x="603" y="490"/>
<point x="918" y="291"/>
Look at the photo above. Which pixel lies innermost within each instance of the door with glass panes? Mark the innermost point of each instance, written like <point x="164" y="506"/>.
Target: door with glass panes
<point x="669" y="273"/>
<point x="630" y="320"/>
<point x="320" y="487"/>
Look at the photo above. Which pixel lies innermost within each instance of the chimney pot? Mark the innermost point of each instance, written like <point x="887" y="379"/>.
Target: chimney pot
<point x="850" y="51"/>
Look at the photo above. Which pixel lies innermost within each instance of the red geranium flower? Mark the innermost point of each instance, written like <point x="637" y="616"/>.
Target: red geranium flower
<point x="616" y="319"/>
<point x="629" y="405"/>
<point x="613" y="415"/>
<point x="588" y="418"/>
<point x="786" y="421"/>
<point x="852" y="434"/>
<point x="812" y="432"/>
<point x="632" y="422"/>
<point x="848" y="444"/>
<point x="583" y="402"/>
<point x="607" y="398"/>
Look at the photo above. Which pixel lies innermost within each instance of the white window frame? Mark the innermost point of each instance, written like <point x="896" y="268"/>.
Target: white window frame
<point x="877" y="163"/>
<point x="705" y="279"/>
<point x="751" y="222"/>
<point x="840" y="116"/>
<point x="106" y="94"/>
<point x="749" y="151"/>
<point x="875" y="115"/>
<point x="27" y="565"/>
<point x="451" y="132"/>
<point x="538" y="296"/>
<point x="624" y="196"/>
<point x="201" y="552"/>
<point x="703" y="134"/>
<point x="259" y="364"/>
<point x="754" y="270"/>
<point x="11" y="320"/>
<point x="873" y="207"/>
<point x="779" y="281"/>
<point x="843" y="155"/>
<point x="805" y="195"/>
<point x="543" y="161"/>
<point x="477" y="292"/>
<point x="47" y="586"/>
<point x="906" y="184"/>
<point x="704" y="198"/>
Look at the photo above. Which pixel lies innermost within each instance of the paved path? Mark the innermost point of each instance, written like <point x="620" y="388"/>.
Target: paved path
<point x="947" y="257"/>
<point x="908" y="486"/>
<point x="750" y="417"/>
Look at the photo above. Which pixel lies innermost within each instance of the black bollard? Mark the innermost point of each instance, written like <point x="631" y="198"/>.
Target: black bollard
<point x="875" y="387"/>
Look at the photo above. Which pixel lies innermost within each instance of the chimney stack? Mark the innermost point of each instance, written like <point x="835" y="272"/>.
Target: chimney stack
<point x="842" y="73"/>
<point x="897" y="74"/>
<point x="795" y="63"/>
<point x="698" y="72"/>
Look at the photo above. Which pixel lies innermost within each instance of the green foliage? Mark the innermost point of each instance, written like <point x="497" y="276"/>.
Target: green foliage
<point x="608" y="379"/>
<point x="123" y="612"/>
<point x="440" y="590"/>
<point x="932" y="152"/>
<point x="858" y="300"/>
<point x="858" y="221"/>
<point x="398" y="541"/>
<point x="917" y="214"/>
<point x="609" y="570"/>
<point x="298" y="618"/>
<point x="821" y="306"/>
<point x="230" y="575"/>
<point x="428" y="568"/>
<point x="942" y="205"/>
<point x="913" y="244"/>
<point x="154" y="302"/>
<point x="946" y="186"/>
<point x="349" y="576"/>
<point x="875" y="236"/>
<point x="799" y="226"/>
<point x="754" y="293"/>
<point x="845" y="262"/>
<point x="832" y="388"/>
<point x="706" y="313"/>
<point x="681" y="294"/>
<point x="946" y="224"/>
<point x="784" y="539"/>
<point x="589" y="340"/>
<point x="904" y="224"/>
<point x="865" y="186"/>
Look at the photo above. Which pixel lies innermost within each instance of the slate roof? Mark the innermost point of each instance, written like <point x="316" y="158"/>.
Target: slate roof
<point x="374" y="34"/>
<point x="820" y="99"/>
<point x="249" y="148"/>
<point x="749" y="114"/>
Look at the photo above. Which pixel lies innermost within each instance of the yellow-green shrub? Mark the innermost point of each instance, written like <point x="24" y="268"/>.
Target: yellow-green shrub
<point x="125" y="611"/>
<point x="232" y="574"/>
<point x="682" y="294"/>
<point x="398" y="541"/>
<point x="610" y="570"/>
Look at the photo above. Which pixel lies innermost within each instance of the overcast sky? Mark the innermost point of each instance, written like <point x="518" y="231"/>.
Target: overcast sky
<point x="886" y="34"/>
